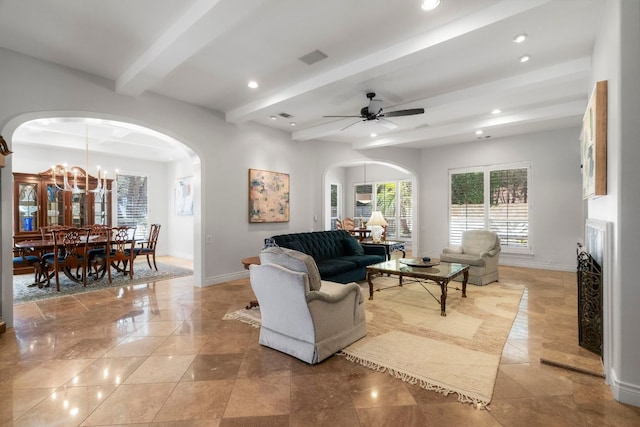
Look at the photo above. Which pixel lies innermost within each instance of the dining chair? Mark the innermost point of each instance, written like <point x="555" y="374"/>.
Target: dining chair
<point x="119" y="253"/>
<point x="148" y="248"/>
<point x="348" y="224"/>
<point x="97" y="232"/>
<point x="29" y="257"/>
<point x="70" y="251"/>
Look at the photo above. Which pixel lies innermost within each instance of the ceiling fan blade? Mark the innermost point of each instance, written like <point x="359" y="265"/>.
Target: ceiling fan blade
<point x="398" y="113"/>
<point x="386" y="123"/>
<point x="341" y="116"/>
<point x="348" y="126"/>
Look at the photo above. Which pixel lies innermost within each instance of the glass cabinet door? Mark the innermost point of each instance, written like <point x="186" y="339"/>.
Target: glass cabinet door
<point x="55" y="205"/>
<point x="78" y="210"/>
<point x="27" y="206"/>
<point x="100" y="208"/>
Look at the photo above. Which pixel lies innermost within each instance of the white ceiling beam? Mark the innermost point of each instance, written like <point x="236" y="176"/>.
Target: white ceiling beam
<point x="475" y="21"/>
<point x="569" y="70"/>
<point x="202" y="23"/>
<point x="551" y="112"/>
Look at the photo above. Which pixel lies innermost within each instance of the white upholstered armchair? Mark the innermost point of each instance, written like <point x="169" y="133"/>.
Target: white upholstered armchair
<point x="302" y="315"/>
<point x="481" y="250"/>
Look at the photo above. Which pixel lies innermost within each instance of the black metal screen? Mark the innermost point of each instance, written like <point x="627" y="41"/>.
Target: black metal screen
<point x="589" y="302"/>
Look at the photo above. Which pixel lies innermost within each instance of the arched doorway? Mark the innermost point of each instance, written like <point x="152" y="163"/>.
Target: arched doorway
<point x="88" y="140"/>
<point x="387" y="181"/>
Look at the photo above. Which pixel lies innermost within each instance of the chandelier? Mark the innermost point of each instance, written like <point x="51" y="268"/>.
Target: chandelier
<point x="101" y="187"/>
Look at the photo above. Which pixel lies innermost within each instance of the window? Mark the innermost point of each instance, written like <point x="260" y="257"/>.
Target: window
<point x="132" y="203"/>
<point x="336" y="205"/>
<point x="493" y="198"/>
<point x="394" y="199"/>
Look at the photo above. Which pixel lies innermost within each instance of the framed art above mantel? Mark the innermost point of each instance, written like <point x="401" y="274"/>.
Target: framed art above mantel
<point x="593" y="144"/>
<point x="268" y="196"/>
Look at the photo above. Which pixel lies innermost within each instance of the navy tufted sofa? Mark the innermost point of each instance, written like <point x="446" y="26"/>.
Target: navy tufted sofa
<point x="339" y="256"/>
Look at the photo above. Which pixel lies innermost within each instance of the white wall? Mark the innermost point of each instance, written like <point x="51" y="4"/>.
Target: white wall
<point x="179" y="229"/>
<point x="554" y="193"/>
<point x="616" y="58"/>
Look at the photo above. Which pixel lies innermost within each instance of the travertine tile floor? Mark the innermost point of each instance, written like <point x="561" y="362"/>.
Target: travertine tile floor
<point x="161" y="355"/>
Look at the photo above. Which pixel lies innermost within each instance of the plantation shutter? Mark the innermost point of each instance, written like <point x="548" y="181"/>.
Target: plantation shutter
<point x="466" y="211"/>
<point x="386" y="204"/>
<point x="509" y="210"/>
<point x="362" y="210"/>
<point x="406" y="210"/>
<point x="132" y="203"/>
<point x="336" y="208"/>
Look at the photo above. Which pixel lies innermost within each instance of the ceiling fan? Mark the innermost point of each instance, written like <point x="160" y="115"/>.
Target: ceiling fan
<point x="374" y="112"/>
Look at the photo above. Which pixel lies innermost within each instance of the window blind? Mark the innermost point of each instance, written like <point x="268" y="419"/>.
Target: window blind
<point x="132" y="203"/>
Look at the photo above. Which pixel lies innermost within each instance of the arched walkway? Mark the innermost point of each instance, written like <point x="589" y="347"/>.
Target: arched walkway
<point x="330" y="176"/>
<point x="152" y="132"/>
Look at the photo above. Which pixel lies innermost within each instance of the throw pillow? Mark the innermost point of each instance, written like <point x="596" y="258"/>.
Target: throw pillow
<point x="293" y="260"/>
<point x="352" y="247"/>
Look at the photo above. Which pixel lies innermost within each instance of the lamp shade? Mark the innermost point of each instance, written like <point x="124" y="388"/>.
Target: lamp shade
<point x="377" y="219"/>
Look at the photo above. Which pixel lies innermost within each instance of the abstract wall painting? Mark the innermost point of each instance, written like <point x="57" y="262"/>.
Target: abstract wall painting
<point x="593" y="144"/>
<point x="268" y="196"/>
<point x="184" y="196"/>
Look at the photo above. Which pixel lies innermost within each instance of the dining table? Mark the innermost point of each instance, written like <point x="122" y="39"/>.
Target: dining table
<point x="43" y="246"/>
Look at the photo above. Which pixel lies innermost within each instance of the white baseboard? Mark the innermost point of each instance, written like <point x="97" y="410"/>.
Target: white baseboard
<point x="624" y="392"/>
<point x="525" y="263"/>
<point x="222" y="278"/>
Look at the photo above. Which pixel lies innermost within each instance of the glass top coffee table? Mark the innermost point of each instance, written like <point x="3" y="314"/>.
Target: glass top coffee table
<point x="440" y="272"/>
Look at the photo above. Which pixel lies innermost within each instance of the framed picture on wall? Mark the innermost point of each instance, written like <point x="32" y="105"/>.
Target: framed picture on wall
<point x="184" y="196"/>
<point x="268" y="196"/>
<point x="593" y="143"/>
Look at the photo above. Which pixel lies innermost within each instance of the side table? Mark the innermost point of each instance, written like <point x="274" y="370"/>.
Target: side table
<point x="246" y="262"/>
<point x="389" y="246"/>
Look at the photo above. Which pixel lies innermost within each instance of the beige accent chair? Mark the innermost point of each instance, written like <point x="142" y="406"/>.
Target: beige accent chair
<point x="481" y="250"/>
<point x="302" y="315"/>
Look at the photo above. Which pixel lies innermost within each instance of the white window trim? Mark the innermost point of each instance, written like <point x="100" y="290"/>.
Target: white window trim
<point x="486" y="169"/>
<point x="374" y="185"/>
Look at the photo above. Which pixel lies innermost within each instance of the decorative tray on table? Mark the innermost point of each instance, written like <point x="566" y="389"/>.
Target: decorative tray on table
<point x="420" y="262"/>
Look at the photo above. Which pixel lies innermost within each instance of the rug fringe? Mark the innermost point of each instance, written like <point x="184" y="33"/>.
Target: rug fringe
<point x="477" y="403"/>
<point x="239" y="316"/>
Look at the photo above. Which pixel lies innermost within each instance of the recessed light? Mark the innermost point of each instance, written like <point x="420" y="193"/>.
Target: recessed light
<point x="373" y="135"/>
<point x="496" y="111"/>
<point x="479" y="132"/>
<point x="520" y="38"/>
<point x="430" y="4"/>
<point x="525" y="58"/>
<point x="292" y="123"/>
<point x="253" y="84"/>
<point x="273" y="118"/>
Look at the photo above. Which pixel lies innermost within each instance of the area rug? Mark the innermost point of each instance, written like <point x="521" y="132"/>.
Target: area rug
<point x="22" y="293"/>
<point x="407" y="337"/>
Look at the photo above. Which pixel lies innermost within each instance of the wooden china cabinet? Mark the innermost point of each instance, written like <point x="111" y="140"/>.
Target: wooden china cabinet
<point x="41" y="200"/>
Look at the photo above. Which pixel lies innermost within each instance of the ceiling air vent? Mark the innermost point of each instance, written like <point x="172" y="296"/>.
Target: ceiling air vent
<point x="313" y="57"/>
<point x="285" y="115"/>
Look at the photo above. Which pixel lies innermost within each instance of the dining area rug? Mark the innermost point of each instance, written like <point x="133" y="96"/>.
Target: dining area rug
<point x="407" y="337"/>
<point x="23" y="293"/>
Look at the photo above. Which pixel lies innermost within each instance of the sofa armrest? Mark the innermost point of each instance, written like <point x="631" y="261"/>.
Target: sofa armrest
<point x="453" y="250"/>
<point x="332" y="292"/>
<point x="493" y="252"/>
<point x="375" y="250"/>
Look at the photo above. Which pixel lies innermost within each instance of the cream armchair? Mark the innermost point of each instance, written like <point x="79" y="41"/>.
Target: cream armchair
<point x="481" y="250"/>
<point x="302" y="315"/>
